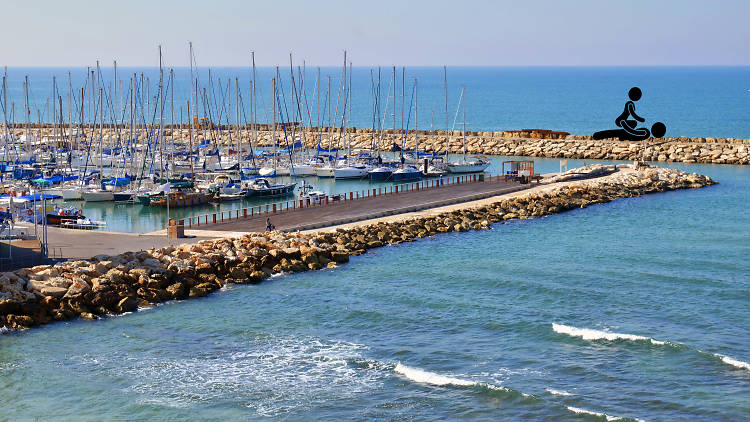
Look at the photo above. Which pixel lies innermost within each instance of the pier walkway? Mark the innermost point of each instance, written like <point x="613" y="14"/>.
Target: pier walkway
<point x="358" y="206"/>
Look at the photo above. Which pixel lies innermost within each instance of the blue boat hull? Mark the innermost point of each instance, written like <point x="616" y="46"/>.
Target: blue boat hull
<point x="379" y="175"/>
<point x="405" y="177"/>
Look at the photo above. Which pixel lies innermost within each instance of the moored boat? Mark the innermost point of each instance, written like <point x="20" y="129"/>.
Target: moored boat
<point x="468" y="166"/>
<point x="406" y="173"/>
<point x="380" y="173"/>
<point x="263" y="188"/>
<point x="97" y="195"/>
<point x="181" y="199"/>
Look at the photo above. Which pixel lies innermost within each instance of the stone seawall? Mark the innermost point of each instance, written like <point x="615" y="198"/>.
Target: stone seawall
<point x="510" y="143"/>
<point x="107" y="285"/>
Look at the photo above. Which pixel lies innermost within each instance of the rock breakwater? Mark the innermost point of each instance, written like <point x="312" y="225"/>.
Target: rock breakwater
<point x="544" y="144"/>
<point x="107" y="285"/>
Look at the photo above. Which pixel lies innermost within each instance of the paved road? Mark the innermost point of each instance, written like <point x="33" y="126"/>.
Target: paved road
<point x="367" y="208"/>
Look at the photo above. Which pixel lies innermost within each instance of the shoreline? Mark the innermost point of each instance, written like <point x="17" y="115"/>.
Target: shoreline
<point x="110" y="285"/>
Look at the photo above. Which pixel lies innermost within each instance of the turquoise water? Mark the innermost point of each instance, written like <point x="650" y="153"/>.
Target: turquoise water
<point x="692" y="101"/>
<point x="455" y="326"/>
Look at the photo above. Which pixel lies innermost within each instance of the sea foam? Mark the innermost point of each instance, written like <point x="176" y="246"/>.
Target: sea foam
<point x="431" y="378"/>
<point x="425" y="377"/>
<point x="580" y="411"/>
<point x="734" y="362"/>
<point x="558" y="392"/>
<point x="589" y="334"/>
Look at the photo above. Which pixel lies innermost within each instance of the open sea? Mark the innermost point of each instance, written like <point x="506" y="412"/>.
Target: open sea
<point x="636" y="309"/>
<point x="691" y="101"/>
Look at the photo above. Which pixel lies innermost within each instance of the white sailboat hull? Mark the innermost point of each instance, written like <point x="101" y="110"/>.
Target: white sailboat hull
<point x="468" y="167"/>
<point x="267" y="171"/>
<point x="98" y="196"/>
<point x="325" y="172"/>
<point x="71" y="194"/>
<point x="301" y="170"/>
<point x="350" y="172"/>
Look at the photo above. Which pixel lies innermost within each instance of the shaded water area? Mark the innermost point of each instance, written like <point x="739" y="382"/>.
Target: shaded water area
<point x="636" y="309"/>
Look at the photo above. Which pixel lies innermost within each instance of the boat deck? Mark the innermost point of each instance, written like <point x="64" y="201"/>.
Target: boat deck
<point x="341" y="212"/>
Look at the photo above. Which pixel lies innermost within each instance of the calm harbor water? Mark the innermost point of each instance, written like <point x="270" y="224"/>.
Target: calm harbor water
<point x="634" y="309"/>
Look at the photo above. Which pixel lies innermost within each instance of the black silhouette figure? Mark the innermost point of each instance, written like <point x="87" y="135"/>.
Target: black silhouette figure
<point x="629" y="130"/>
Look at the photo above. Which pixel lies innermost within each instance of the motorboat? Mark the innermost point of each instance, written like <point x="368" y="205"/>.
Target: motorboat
<point x="83" y="224"/>
<point x="61" y="215"/>
<point x="437" y="168"/>
<point x="310" y="195"/>
<point x="263" y="188"/>
<point x="380" y="173"/>
<point x="97" y="195"/>
<point x="181" y="199"/>
<point x="354" y="171"/>
<point x="469" y="166"/>
<point x="406" y="173"/>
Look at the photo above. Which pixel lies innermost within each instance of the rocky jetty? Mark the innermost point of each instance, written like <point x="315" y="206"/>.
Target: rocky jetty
<point x="527" y="143"/>
<point x="107" y="285"/>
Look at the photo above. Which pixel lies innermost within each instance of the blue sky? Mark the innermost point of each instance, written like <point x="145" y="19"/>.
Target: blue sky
<point x="385" y="32"/>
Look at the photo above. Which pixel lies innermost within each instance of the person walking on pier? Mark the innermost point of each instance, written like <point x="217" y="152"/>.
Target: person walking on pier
<point x="269" y="226"/>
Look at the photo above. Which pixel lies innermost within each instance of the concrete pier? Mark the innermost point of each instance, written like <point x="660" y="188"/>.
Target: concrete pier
<point x="368" y="207"/>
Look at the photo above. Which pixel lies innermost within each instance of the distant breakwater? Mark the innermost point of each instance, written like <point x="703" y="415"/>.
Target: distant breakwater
<point x="527" y="143"/>
<point x="108" y="285"/>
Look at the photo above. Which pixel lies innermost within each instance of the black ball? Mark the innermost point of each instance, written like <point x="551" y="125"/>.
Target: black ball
<point x="658" y="129"/>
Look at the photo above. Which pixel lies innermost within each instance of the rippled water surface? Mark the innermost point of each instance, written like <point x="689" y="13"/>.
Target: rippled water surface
<point x="633" y="309"/>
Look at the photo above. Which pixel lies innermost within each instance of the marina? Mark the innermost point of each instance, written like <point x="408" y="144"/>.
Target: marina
<point x="397" y="211"/>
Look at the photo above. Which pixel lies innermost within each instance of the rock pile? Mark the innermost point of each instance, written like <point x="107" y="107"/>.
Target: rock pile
<point x="106" y="285"/>
<point x="508" y="143"/>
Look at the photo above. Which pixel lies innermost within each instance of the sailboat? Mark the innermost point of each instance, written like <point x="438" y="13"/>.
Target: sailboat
<point x="473" y="165"/>
<point x="409" y="172"/>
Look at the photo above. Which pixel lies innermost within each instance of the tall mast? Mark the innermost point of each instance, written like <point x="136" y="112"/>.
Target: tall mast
<point x="70" y="114"/>
<point x="445" y="92"/>
<point x="54" y="115"/>
<point x="161" y="117"/>
<point x="463" y="90"/>
<point x="273" y="133"/>
<point x="114" y="95"/>
<point x="101" y="133"/>
<point x="416" y="122"/>
<point x="192" y="169"/>
<point x="394" y="98"/>
<point x="254" y="107"/>
<point x="194" y="91"/>
<point x="403" y="99"/>
<point x="237" y="117"/>
<point x="132" y="119"/>
<point x="317" y="109"/>
<point x="27" y="110"/>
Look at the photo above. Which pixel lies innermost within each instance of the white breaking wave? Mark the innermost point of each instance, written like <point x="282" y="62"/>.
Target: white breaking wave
<point x="590" y="412"/>
<point x="589" y="334"/>
<point x="558" y="392"/>
<point x="424" y="377"/>
<point x="734" y="362"/>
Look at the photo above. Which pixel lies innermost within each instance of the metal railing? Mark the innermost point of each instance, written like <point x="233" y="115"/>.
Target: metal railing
<point x="291" y="205"/>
